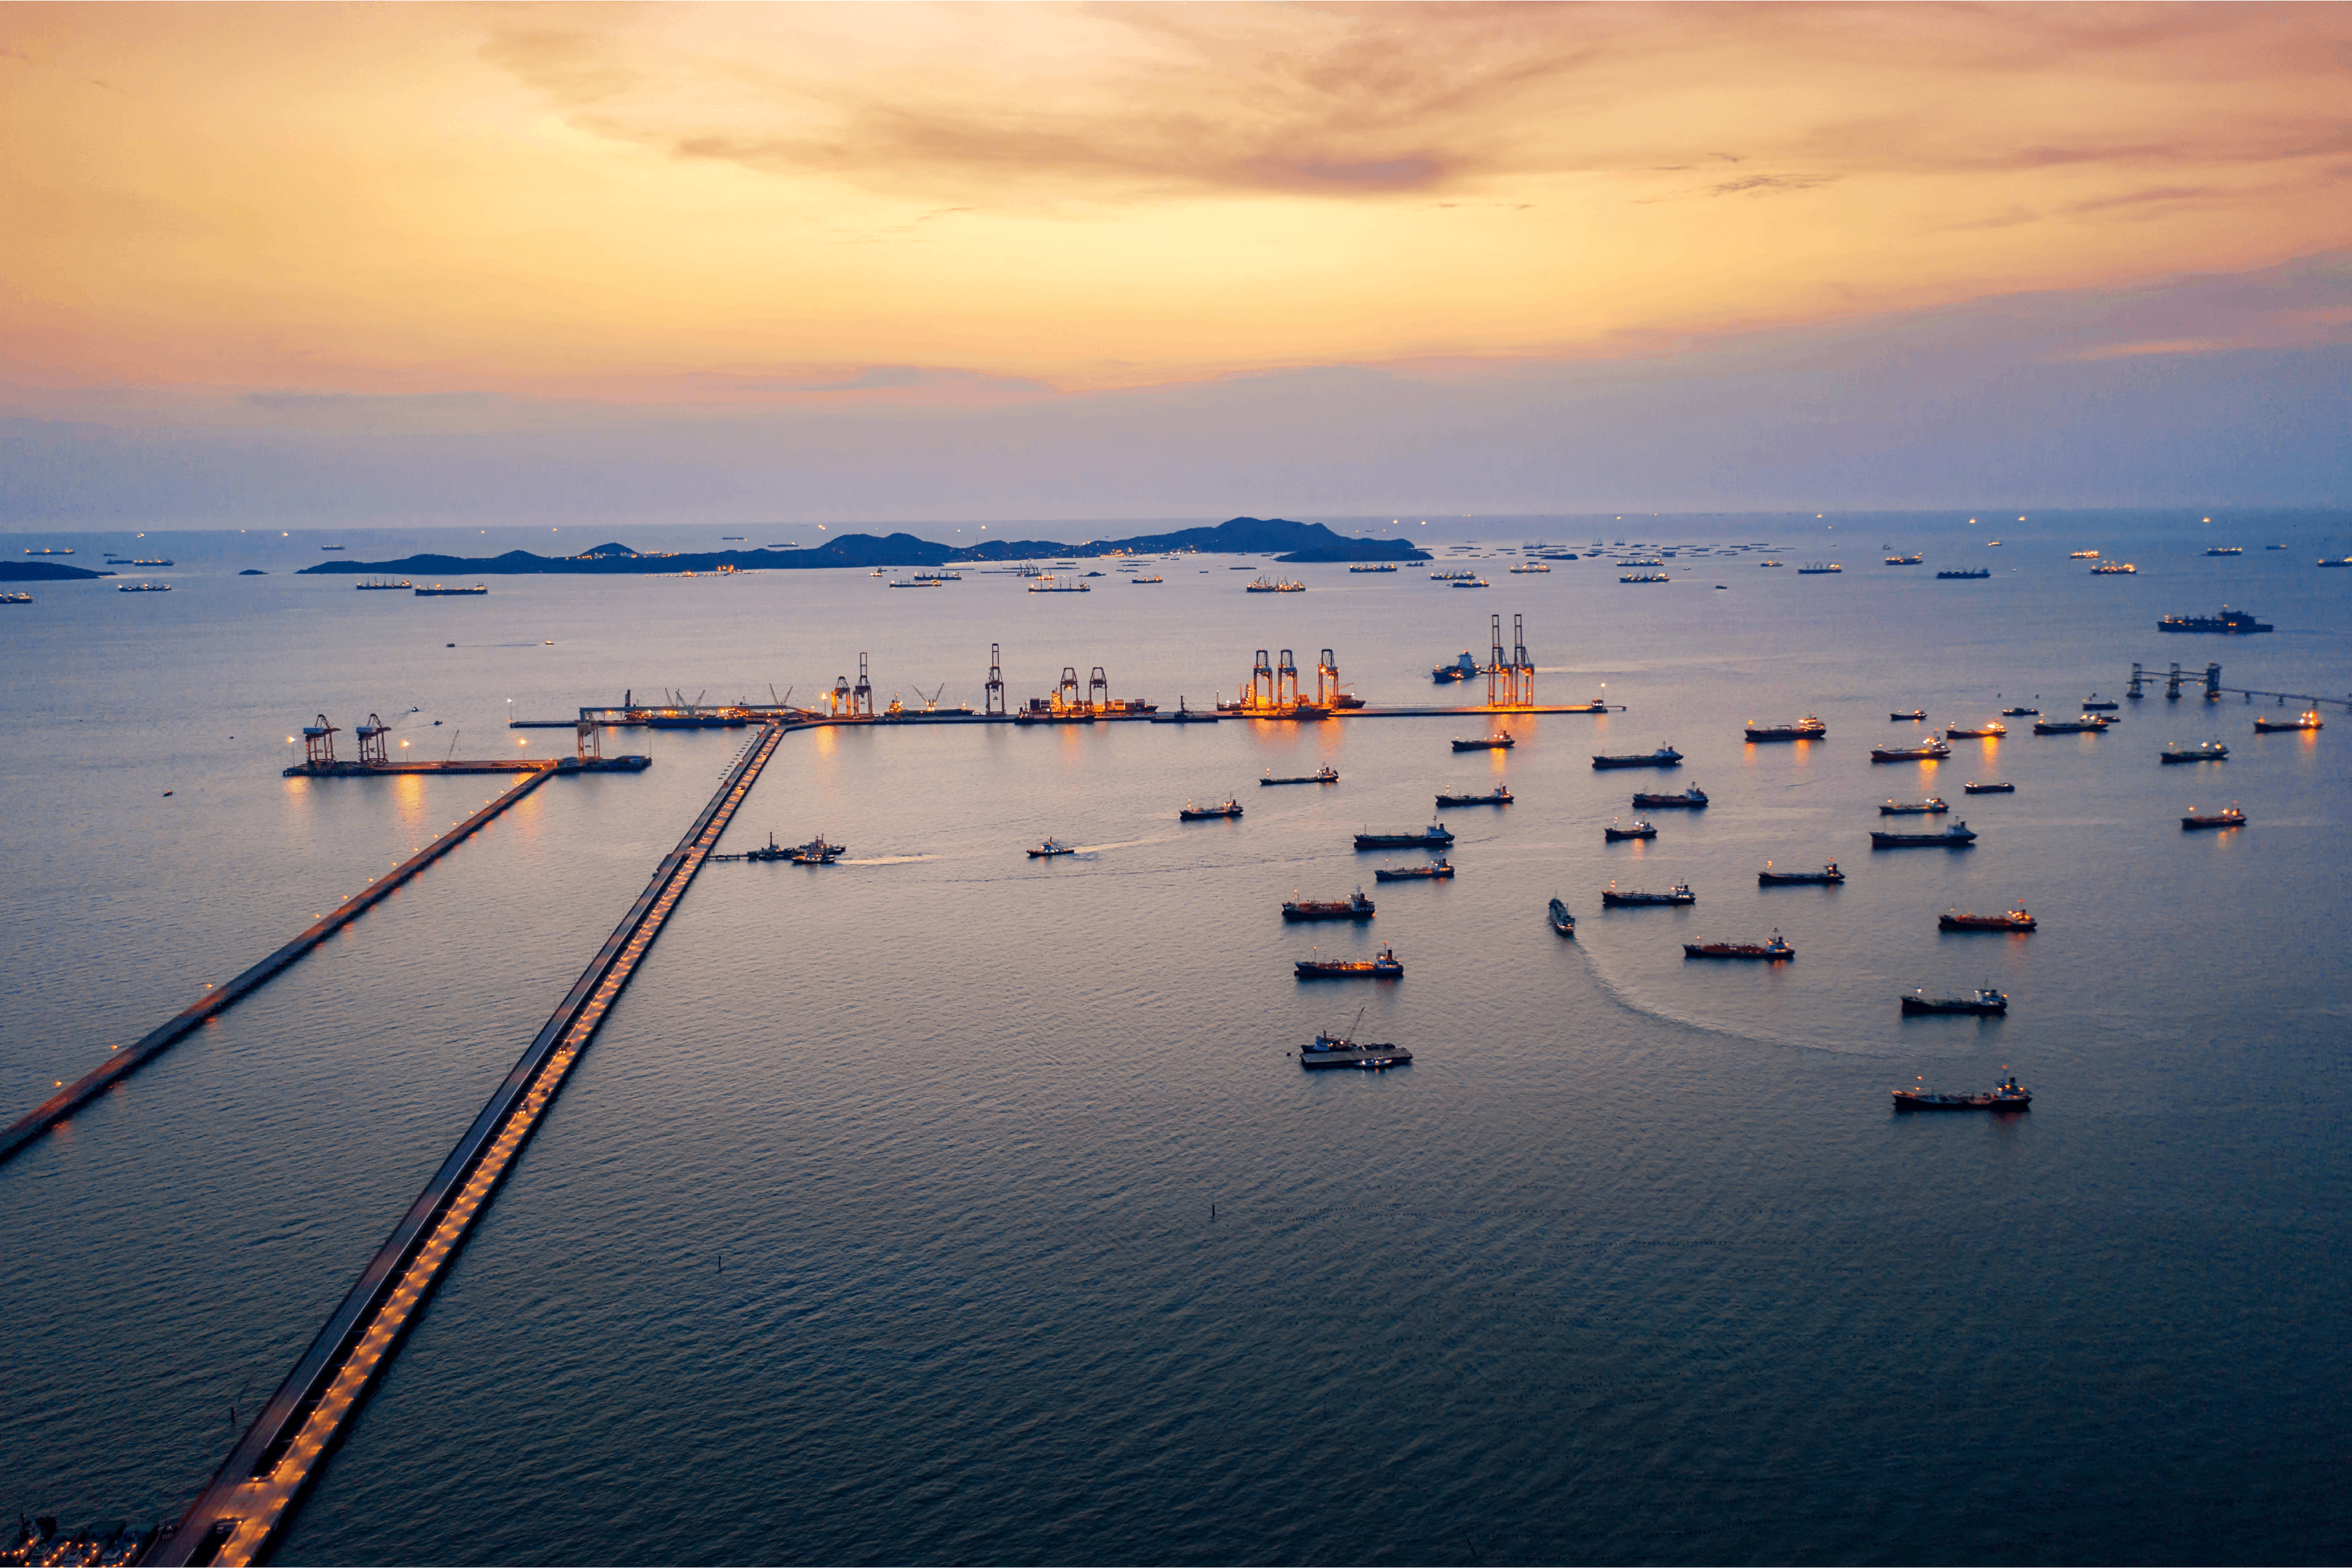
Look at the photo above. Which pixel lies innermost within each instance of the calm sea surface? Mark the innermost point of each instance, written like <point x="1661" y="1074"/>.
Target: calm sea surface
<point x="878" y="1225"/>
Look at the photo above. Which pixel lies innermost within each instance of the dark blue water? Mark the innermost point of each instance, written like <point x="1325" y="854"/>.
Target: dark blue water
<point x="877" y="1223"/>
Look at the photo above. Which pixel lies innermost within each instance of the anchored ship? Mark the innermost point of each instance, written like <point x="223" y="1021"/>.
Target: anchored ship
<point x="2227" y="816"/>
<point x="1443" y="870"/>
<point x="1613" y="834"/>
<point x="1320" y="775"/>
<point x="1434" y="837"/>
<point x="1691" y="799"/>
<point x="1354" y="907"/>
<point x="1346" y="1051"/>
<point x="2308" y="719"/>
<point x="1805" y="729"/>
<point x="1664" y="757"/>
<point x="2228" y="622"/>
<point x="1494" y="743"/>
<point x="2005" y="1096"/>
<point x="1382" y="966"/>
<point x="1986" y="1001"/>
<point x="1499" y="796"/>
<point x="1191" y="813"/>
<point x="1829" y="876"/>
<point x="1956" y="836"/>
<point x="2203" y="752"/>
<point x="2086" y="724"/>
<point x="1777" y="950"/>
<point x="1678" y="894"/>
<point x="1927" y="752"/>
<point x="1974" y="788"/>
<point x="2010" y="920"/>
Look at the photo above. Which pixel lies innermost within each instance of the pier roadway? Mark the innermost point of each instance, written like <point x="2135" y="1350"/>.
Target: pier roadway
<point x="123" y="1060"/>
<point x="249" y="1496"/>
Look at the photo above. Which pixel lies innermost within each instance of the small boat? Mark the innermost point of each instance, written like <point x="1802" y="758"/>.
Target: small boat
<point x="1913" y="717"/>
<point x="2094" y="703"/>
<point x="1463" y="669"/>
<point x="1494" y="743"/>
<point x="1820" y="569"/>
<point x="2228" y="817"/>
<point x="1321" y="775"/>
<point x="380" y="584"/>
<point x="1346" y="1051"/>
<point x="1691" y="799"/>
<point x="2203" y="751"/>
<point x="1499" y="796"/>
<point x="438" y="592"/>
<point x="1561" y="921"/>
<point x="1360" y="571"/>
<point x="1974" y="788"/>
<point x="1983" y="1001"/>
<point x="2010" y="920"/>
<point x="1646" y="578"/>
<point x="1273" y="585"/>
<point x="1956" y="836"/>
<point x="142" y="587"/>
<point x="1664" y="757"/>
<point x="1807" y="728"/>
<point x="1382" y="966"/>
<point x="1777" y="950"/>
<point x="1434" y="837"/>
<point x="1441" y="871"/>
<point x="1678" y="894"/>
<point x="1828" y="876"/>
<point x="2228" y="622"/>
<point x="1989" y="730"/>
<point x="1932" y="807"/>
<point x="1354" y="907"/>
<point x="2308" y="719"/>
<point x="1963" y="576"/>
<point x="2020" y="712"/>
<point x="2087" y="724"/>
<point x="1905" y="560"/>
<point x="2114" y="569"/>
<point x="2006" y="1095"/>
<point x="1049" y="849"/>
<point x="1928" y="752"/>
<point x="1613" y="834"/>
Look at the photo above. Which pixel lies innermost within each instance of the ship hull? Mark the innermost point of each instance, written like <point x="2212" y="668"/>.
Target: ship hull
<point x="1604" y="764"/>
<point x="1373" y="1058"/>
<point x="1932" y="1005"/>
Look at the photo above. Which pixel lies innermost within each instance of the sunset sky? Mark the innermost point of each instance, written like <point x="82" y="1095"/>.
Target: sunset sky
<point x="247" y="238"/>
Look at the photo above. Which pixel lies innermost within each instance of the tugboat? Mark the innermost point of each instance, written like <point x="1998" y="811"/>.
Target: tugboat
<point x="1664" y="757"/>
<point x="1642" y="828"/>
<point x="1561" y="921"/>
<point x="2203" y="751"/>
<point x="815" y="852"/>
<point x="1443" y="871"/>
<point x="1932" y="807"/>
<point x="1320" y="775"/>
<point x="1691" y="799"/>
<point x="1498" y="742"/>
<point x="2089" y="724"/>
<point x="2012" y="920"/>
<point x="1356" y="908"/>
<point x="2227" y="816"/>
<point x="2006" y="1095"/>
<point x="1344" y="1051"/>
<point x="1774" y="951"/>
<point x="2228" y="622"/>
<point x="1992" y="730"/>
<point x="1500" y="795"/>
<point x="1974" y="788"/>
<point x="1204" y="813"/>
<point x="1049" y="849"/>
<point x="1986" y="1001"/>
<point x="2308" y="719"/>
<point x="1435" y="837"/>
<point x="1383" y="966"/>
<point x="1678" y="894"/>
<point x="1463" y="669"/>
<point x="1828" y="876"/>
<point x="1912" y="717"/>
<point x="1956" y="836"/>
<point x="1927" y="752"/>
<point x="1805" y="729"/>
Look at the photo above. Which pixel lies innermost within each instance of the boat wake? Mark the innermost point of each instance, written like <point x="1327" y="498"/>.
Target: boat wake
<point x="1631" y="1001"/>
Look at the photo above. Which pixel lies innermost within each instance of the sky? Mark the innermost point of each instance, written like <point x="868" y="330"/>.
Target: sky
<point x="906" y="260"/>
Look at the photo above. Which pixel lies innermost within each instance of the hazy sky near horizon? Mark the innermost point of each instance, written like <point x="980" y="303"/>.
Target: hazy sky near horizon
<point x="788" y="251"/>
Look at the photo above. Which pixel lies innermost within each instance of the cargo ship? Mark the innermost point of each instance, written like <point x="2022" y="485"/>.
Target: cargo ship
<point x="2227" y="550"/>
<point x="1646" y="578"/>
<point x="1320" y="775"/>
<point x="2203" y="752"/>
<point x="1989" y="730"/>
<point x="2086" y="724"/>
<point x="2094" y="703"/>
<point x="2227" y="622"/>
<point x="1974" y="788"/>
<point x="2114" y="569"/>
<point x="381" y="586"/>
<point x="1463" y="669"/>
<point x="1986" y="1001"/>
<point x="1932" y="807"/>
<point x="2009" y="919"/>
<point x="1499" y="796"/>
<point x="1777" y="950"/>
<point x="1678" y="894"/>
<point x="1613" y="834"/>
<point x="1342" y="1051"/>
<point x="1049" y="583"/>
<point x="1909" y="716"/>
<point x="1829" y="876"/>
<point x="1956" y="836"/>
<point x="1441" y="871"/>
<point x="2083" y="555"/>
<point x="1964" y="576"/>
<point x="2005" y="1096"/>
<point x="142" y="587"/>
<point x="1273" y="585"/>
<point x="1360" y="571"/>
<point x="1925" y="751"/>
<point x="2020" y="712"/>
<point x="2308" y="719"/>
<point x="1495" y="742"/>
<point x="438" y="592"/>
<point x="1561" y="921"/>
<point x="1434" y="837"/>
<point x="1664" y="757"/>
<point x="1905" y="560"/>
<point x="1383" y="965"/>
<point x="1691" y="799"/>
<point x="1820" y="569"/>
<point x="1805" y="729"/>
<point x="2228" y="817"/>
<point x="1354" y="907"/>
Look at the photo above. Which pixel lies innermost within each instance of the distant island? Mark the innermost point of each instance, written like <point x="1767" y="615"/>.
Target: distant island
<point x="44" y="572"/>
<point x="1279" y="537"/>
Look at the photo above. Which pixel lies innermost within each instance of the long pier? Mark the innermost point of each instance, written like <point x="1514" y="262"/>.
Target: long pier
<point x="123" y="1060"/>
<point x="615" y="718"/>
<point x="249" y="1498"/>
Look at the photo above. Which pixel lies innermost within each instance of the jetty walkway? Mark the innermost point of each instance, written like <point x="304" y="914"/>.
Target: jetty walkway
<point x="249" y="1496"/>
